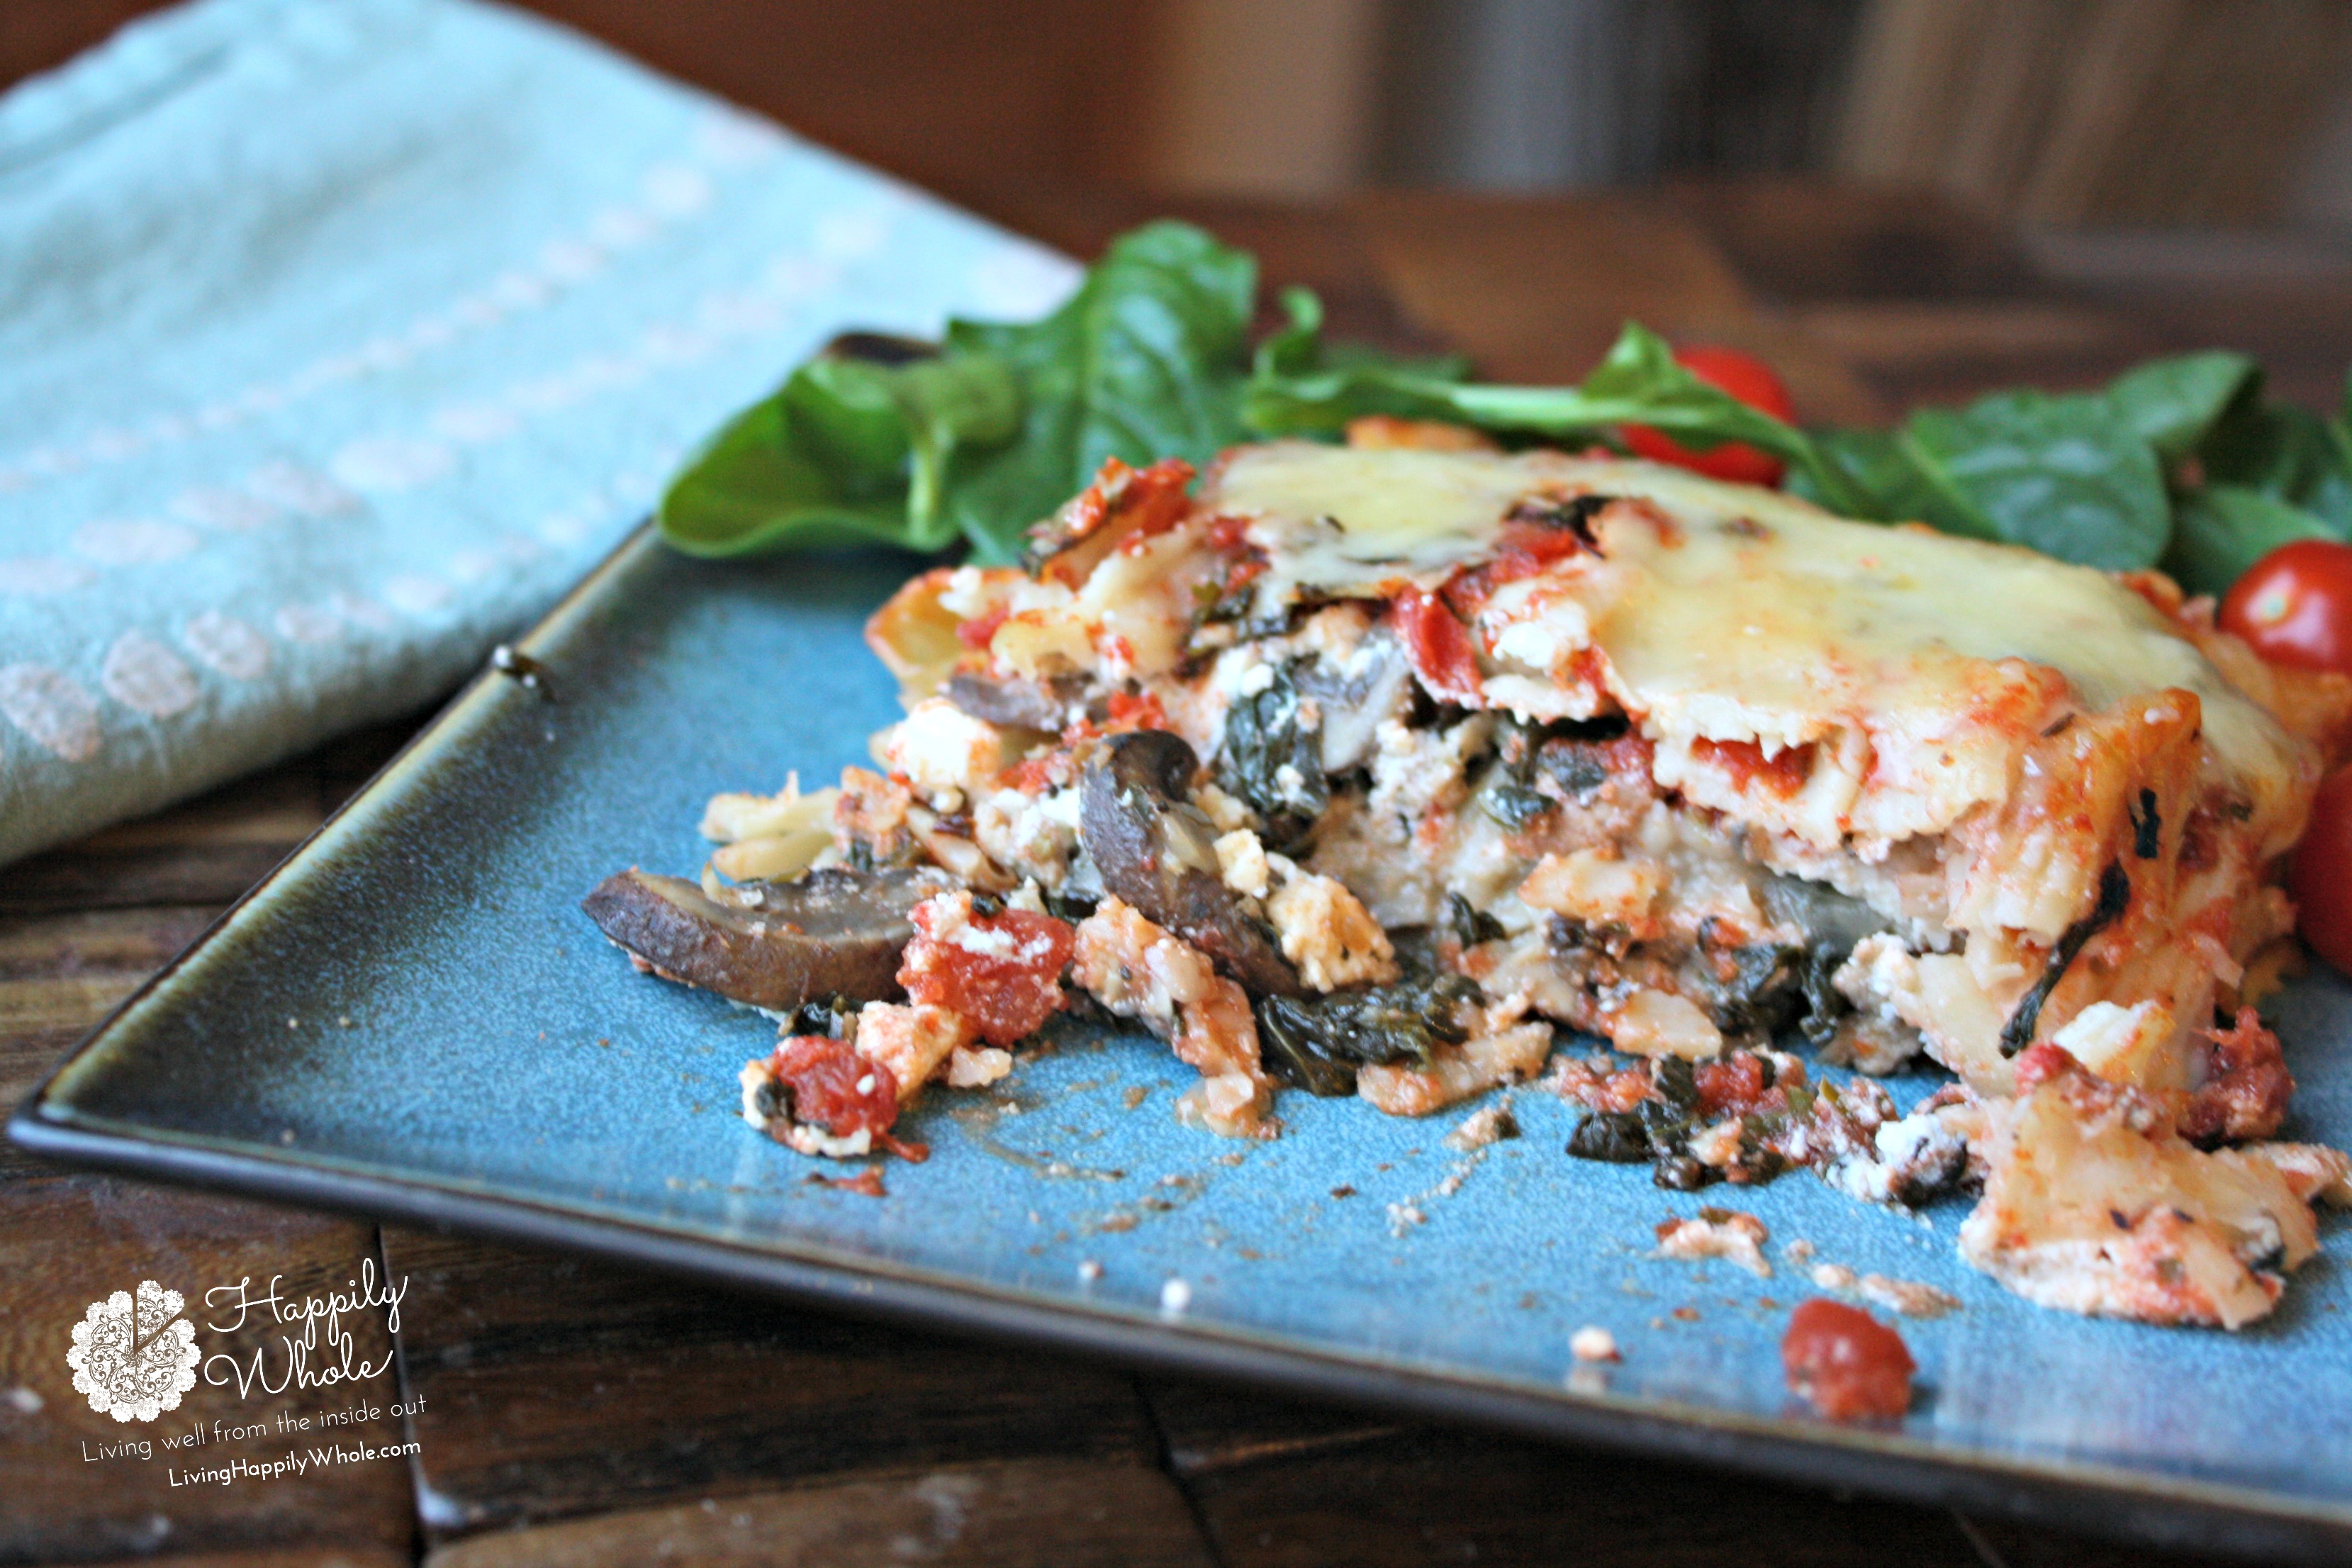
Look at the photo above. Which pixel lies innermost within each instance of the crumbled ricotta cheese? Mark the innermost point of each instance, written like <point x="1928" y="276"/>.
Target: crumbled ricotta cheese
<point x="970" y="1069"/>
<point x="941" y="747"/>
<point x="1326" y="931"/>
<point x="1242" y="863"/>
<point x="1726" y="1234"/>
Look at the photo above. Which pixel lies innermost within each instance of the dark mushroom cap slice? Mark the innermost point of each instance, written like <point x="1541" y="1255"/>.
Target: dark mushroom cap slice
<point x="1156" y="851"/>
<point x="1009" y="701"/>
<point x="833" y="931"/>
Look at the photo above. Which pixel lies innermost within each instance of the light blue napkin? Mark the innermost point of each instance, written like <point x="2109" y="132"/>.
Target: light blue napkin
<point x="337" y="340"/>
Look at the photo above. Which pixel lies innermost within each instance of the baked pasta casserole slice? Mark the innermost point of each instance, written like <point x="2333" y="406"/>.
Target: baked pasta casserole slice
<point x="1378" y="769"/>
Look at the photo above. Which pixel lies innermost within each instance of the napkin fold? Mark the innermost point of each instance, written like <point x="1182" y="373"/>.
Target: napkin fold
<point x="337" y="340"/>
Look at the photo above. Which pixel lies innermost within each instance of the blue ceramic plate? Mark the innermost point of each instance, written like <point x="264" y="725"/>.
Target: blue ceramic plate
<point x="412" y="1018"/>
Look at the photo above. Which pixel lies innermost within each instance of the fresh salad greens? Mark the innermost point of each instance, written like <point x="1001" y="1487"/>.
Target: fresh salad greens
<point x="2181" y="462"/>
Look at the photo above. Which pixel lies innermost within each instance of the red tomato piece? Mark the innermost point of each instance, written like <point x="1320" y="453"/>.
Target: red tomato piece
<point x="1846" y="1364"/>
<point x="1439" y="647"/>
<point x="2294" y="606"/>
<point x="2321" y="881"/>
<point x="829" y="1086"/>
<point x="1745" y="377"/>
<point x="1003" y="972"/>
<point x="2041" y="1062"/>
<point x="1783" y="773"/>
<point x="980" y="630"/>
<point x="1733" y="1083"/>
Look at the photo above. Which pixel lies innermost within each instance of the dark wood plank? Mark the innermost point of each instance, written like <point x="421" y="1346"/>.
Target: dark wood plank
<point x="1070" y="1512"/>
<point x="67" y="1241"/>
<point x="555" y="1387"/>
<point x="350" y="1556"/>
<point x="1426" y="1497"/>
<point x="1209" y="1427"/>
<point x="208" y="851"/>
<point x="1536" y="290"/>
<point x="61" y="975"/>
<point x="1795" y="241"/>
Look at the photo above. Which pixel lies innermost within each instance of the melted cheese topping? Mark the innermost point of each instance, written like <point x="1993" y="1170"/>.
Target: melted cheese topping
<point x="1756" y="614"/>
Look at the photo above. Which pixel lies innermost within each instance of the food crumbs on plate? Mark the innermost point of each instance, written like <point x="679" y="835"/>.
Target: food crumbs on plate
<point x="293" y="1023"/>
<point x="1686" y="1314"/>
<point x="1136" y="1095"/>
<point x="1845" y="1363"/>
<point x="1233" y="1159"/>
<point x="1911" y="1298"/>
<point x="1343" y="1192"/>
<point x="1089" y="1272"/>
<point x="1726" y="1234"/>
<point x="868" y="1181"/>
<point x="1800" y="1251"/>
<point x="1593" y="1343"/>
<point x="1174" y="1297"/>
<point x="1481" y="1128"/>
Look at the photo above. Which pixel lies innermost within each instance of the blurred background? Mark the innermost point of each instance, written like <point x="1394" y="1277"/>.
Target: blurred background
<point x="2140" y="112"/>
<point x="1923" y="190"/>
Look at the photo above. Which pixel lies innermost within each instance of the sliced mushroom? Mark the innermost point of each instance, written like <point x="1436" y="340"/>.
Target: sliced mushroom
<point x="834" y="932"/>
<point x="1009" y="701"/>
<point x="1156" y="851"/>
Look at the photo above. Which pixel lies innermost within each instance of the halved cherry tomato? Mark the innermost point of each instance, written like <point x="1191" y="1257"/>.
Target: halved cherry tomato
<point x="1747" y="378"/>
<point x="2322" y="878"/>
<point x="2295" y="605"/>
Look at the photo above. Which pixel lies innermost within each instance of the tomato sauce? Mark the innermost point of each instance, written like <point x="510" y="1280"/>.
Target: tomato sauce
<point x="1003" y="972"/>
<point x="1438" y="644"/>
<point x="829" y="1086"/>
<point x="1846" y="1364"/>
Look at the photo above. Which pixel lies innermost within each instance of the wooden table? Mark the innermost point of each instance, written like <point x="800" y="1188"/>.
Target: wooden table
<point x="568" y="1412"/>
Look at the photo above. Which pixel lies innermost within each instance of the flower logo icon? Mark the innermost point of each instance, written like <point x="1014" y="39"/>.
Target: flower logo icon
<point x="134" y="1357"/>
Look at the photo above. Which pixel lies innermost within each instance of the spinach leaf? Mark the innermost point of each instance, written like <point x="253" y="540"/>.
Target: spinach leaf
<point x="1884" y="479"/>
<point x="989" y="431"/>
<point x="2065" y="475"/>
<point x="998" y="428"/>
<point x="2172" y="404"/>
<point x="1319" y="1042"/>
<point x="775" y="477"/>
<point x="1144" y="362"/>
<point x="1303" y="385"/>
<point x="1272" y="760"/>
<point x="2289" y="454"/>
<point x="2223" y="529"/>
<point x="849" y="448"/>
<point x="2072" y="476"/>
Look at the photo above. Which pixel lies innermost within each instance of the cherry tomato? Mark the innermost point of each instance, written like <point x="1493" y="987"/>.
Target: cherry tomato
<point x="2295" y="605"/>
<point x="1747" y="378"/>
<point x="2322" y="880"/>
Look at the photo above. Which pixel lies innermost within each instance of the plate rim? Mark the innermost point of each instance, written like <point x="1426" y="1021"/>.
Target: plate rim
<point x="2157" y="1510"/>
<point x="2118" y="1501"/>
